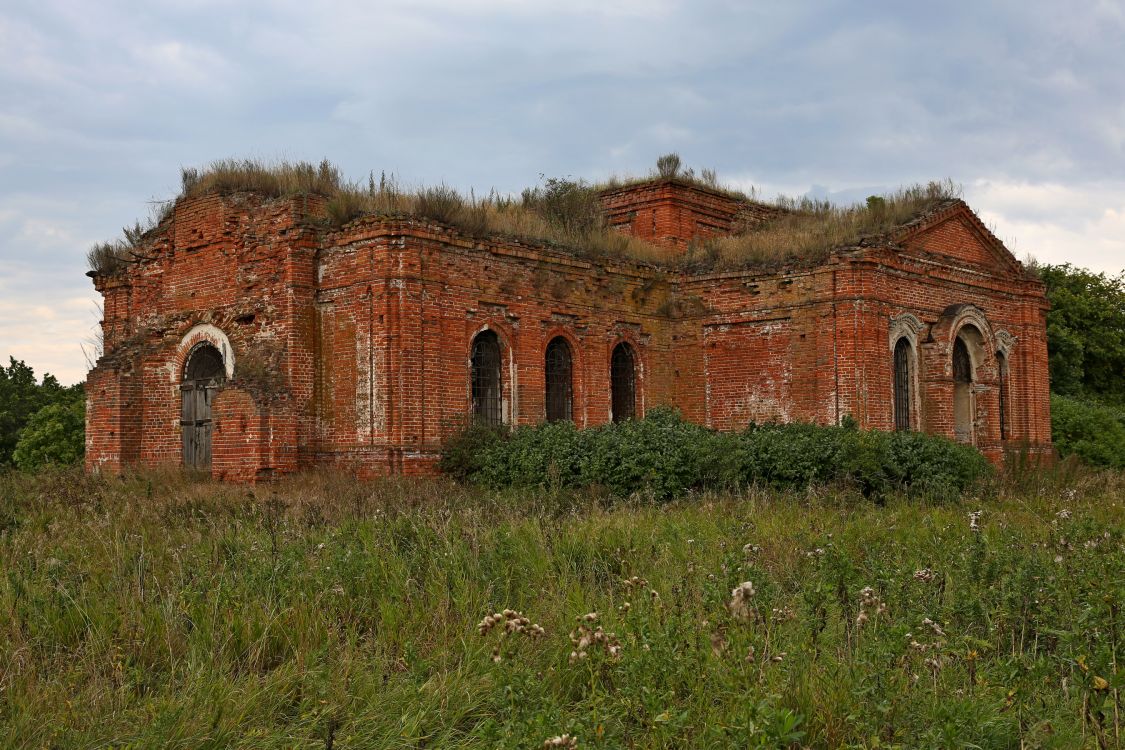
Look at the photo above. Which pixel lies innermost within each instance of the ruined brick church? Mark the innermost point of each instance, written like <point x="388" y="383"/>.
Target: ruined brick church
<point x="252" y="340"/>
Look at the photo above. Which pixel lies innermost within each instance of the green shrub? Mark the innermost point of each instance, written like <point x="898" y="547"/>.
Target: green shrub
<point x="666" y="456"/>
<point x="1093" y="431"/>
<point x="56" y="434"/>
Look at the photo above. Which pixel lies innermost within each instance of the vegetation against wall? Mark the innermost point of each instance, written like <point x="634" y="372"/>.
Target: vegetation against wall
<point x="325" y="612"/>
<point x="665" y="456"/>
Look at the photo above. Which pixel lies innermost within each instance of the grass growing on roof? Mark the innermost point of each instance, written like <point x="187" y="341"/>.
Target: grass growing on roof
<point x="562" y="213"/>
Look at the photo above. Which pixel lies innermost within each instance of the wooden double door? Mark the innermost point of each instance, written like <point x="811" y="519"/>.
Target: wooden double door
<point x="203" y="377"/>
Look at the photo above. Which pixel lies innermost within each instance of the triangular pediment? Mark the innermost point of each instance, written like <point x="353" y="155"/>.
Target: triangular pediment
<point x="958" y="235"/>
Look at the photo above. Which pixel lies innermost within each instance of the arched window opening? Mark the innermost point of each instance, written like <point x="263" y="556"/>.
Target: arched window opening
<point x="962" y="391"/>
<point x="902" y="385"/>
<point x="485" y="379"/>
<point x="560" y="381"/>
<point x="204" y="374"/>
<point x="623" y="383"/>
<point x="1002" y="366"/>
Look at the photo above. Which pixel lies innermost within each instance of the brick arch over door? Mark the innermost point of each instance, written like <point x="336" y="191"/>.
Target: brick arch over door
<point x="968" y="347"/>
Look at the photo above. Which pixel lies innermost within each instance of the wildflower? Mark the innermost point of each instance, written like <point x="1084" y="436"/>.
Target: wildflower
<point x="818" y="552"/>
<point x="510" y="623"/>
<point x="935" y="627"/>
<point x="974" y="520"/>
<point x="740" y="597"/>
<point x="925" y="575"/>
<point x="584" y="638"/>
<point x="783" y="614"/>
<point x="780" y="656"/>
<point x="751" y="549"/>
<point x="1058" y="558"/>
<point x="562" y="740"/>
<point x="869" y="600"/>
<point x="1063" y="515"/>
<point x="636" y="582"/>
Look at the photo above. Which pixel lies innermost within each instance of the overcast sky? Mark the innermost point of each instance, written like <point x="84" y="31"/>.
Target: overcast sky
<point x="1022" y="103"/>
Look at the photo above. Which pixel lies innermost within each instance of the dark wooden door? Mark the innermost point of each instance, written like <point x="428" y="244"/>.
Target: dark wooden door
<point x="203" y="376"/>
<point x="195" y="421"/>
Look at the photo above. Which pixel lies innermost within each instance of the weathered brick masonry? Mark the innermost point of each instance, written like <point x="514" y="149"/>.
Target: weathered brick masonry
<point x="256" y="342"/>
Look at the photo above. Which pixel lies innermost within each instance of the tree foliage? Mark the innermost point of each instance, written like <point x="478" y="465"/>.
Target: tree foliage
<point x="22" y="397"/>
<point x="1086" y="332"/>
<point x="56" y="434"/>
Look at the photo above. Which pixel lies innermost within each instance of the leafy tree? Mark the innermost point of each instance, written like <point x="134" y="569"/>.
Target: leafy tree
<point x="1086" y="332"/>
<point x="56" y="434"/>
<point x="21" y="397"/>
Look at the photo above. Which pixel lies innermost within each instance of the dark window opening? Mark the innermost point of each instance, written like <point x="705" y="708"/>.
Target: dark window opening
<point x="902" y="385"/>
<point x="962" y="392"/>
<point x="204" y="375"/>
<point x="560" y="381"/>
<point x="486" y="384"/>
<point x="962" y="363"/>
<point x="623" y="383"/>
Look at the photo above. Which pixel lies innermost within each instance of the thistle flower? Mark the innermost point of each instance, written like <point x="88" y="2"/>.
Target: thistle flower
<point x="636" y="582"/>
<point x="584" y="638"/>
<point x="925" y="575"/>
<point x="740" y="598"/>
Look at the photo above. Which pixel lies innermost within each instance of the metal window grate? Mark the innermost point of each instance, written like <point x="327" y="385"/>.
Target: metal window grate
<point x="623" y="383"/>
<point x="560" y="377"/>
<point x="902" y="385"/>
<point x="962" y="364"/>
<point x="485" y="377"/>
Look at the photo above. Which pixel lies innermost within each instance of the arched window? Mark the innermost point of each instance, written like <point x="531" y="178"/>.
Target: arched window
<point x="962" y="391"/>
<point x="204" y="374"/>
<point x="623" y="383"/>
<point x="1002" y="366"/>
<point x="560" y="380"/>
<point x="902" y="384"/>
<point x="485" y="379"/>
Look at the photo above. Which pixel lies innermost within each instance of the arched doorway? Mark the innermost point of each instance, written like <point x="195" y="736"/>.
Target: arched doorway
<point x="204" y="374"/>
<point x="623" y="383"/>
<point x="559" y="380"/>
<point x="486" y="385"/>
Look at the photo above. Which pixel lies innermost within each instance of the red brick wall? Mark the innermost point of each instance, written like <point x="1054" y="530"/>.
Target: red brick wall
<point x="673" y="213"/>
<point x="351" y="348"/>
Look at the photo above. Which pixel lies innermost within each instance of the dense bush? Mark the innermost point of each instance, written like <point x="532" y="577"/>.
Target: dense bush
<point x="1093" y="431"/>
<point x="56" y="434"/>
<point x="666" y="456"/>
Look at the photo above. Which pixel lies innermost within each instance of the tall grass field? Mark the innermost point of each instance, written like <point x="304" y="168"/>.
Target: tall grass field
<point x="158" y="610"/>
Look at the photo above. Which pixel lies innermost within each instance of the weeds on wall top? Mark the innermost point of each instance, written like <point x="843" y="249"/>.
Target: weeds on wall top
<point x="562" y="213"/>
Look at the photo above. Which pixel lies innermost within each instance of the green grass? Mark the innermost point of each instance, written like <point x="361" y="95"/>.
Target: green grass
<point x="158" y="611"/>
